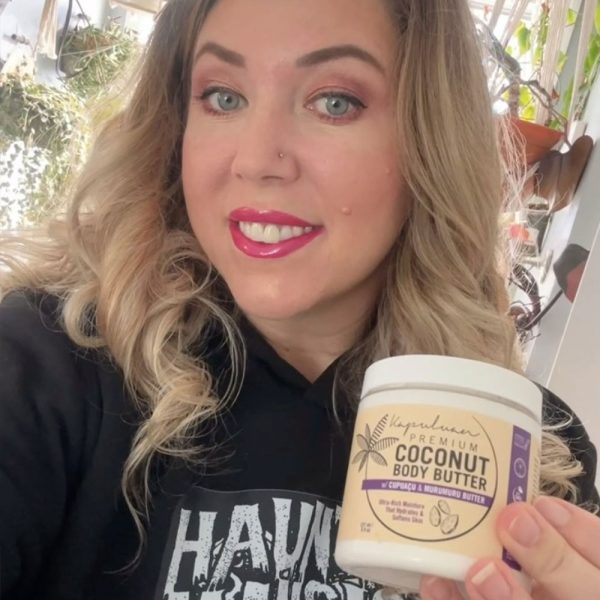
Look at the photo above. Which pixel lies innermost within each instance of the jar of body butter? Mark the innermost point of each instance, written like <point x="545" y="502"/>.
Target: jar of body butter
<point x="440" y="446"/>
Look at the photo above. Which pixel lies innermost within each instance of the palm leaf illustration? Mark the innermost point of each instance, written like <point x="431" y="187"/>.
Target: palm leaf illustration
<point x="384" y="444"/>
<point x="359" y="456"/>
<point x="371" y="446"/>
<point x="363" y="462"/>
<point x="379" y="429"/>
<point x="363" y="441"/>
<point x="378" y="458"/>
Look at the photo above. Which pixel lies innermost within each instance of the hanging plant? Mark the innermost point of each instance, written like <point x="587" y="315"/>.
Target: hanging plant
<point x="43" y="133"/>
<point x="91" y="58"/>
<point x="45" y="130"/>
<point x="39" y="114"/>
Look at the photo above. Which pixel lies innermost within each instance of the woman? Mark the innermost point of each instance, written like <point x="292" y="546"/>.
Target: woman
<point x="294" y="190"/>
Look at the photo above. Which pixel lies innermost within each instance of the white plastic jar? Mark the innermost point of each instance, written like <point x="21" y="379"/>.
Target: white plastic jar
<point x="440" y="446"/>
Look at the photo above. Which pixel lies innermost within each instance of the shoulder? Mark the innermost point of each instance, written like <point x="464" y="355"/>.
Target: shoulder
<point x="558" y="414"/>
<point x="41" y="368"/>
<point x="31" y="325"/>
<point x="23" y="313"/>
<point x="30" y="329"/>
<point x="52" y="422"/>
<point x="57" y="399"/>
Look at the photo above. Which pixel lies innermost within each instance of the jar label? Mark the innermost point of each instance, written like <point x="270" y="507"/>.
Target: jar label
<point x="436" y="475"/>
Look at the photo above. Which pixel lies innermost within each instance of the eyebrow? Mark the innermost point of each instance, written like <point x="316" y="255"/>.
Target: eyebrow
<point x="335" y="53"/>
<point x="226" y="55"/>
<point x="311" y="59"/>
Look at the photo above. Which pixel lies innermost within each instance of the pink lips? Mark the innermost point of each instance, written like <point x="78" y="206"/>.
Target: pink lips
<point x="261" y="250"/>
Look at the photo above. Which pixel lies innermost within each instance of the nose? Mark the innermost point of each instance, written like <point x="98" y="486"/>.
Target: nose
<point x="264" y="150"/>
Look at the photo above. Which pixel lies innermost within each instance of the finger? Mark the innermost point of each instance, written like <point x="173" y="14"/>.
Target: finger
<point x="436" y="588"/>
<point x="580" y="528"/>
<point x="493" y="580"/>
<point x="545" y="554"/>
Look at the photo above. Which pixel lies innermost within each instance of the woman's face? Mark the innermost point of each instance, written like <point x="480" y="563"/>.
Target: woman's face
<point x="290" y="166"/>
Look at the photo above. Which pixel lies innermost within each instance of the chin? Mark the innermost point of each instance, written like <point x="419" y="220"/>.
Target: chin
<point x="277" y="307"/>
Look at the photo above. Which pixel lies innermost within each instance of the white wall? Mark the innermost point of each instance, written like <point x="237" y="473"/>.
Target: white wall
<point x="566" y="355"/>
<point x="575" y="373"/>
<point x="576" y="223"/>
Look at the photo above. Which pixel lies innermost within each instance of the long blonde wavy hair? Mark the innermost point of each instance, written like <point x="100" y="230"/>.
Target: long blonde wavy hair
<point x="134" y="281"/>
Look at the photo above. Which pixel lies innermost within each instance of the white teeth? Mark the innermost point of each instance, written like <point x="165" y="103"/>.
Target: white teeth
<point x="285" y="233"/>
<point x="256" y="232"/>
<point x="270" y="233"/>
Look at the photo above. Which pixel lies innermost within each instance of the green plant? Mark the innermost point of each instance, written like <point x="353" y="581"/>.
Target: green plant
<point x="45" y="130"/>
<point x="529" y="43"/>
<point x="43" y="133"/>
<point x="39" y="114"/>
<point x="591" y="66"/>
<point x="21" y="174"/>
<point x="92" y="58"/>
<point x="530" y="88"/>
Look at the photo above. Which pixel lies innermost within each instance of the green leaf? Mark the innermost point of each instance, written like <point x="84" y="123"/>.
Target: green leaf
<point x="528" y="113"/>
<point x="538" y="54"/>
<point x="592" y="55"/>
<point x="544" y="22"/>
<point x="562" y="59"/>
<point x="567" y="98"/>
<point x="571" y="17"/>
<point x="597" y="18"/>
<point x="525" y="96"/>
<point x="523" y="35"/>
<point x="555" y="124"/>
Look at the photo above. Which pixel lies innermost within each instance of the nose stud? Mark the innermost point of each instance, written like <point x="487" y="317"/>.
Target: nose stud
<point x="281" y="155"/>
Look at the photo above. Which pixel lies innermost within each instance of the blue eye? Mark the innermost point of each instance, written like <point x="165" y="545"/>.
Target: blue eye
<point x="222" y="100"/>
<point x="337" y="106"/>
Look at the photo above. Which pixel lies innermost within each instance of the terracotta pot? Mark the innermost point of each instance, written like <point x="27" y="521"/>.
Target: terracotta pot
<point x="539" y="140"/>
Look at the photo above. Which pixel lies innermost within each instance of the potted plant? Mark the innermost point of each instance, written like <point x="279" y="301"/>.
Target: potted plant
<point x="531" y="102"/>
<point x="91" y="57"/>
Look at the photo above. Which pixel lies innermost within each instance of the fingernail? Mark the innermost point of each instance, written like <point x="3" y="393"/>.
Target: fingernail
<point x="491" y="584"/>
<point x="553" y="511"/>
<point x="439" y="589"/>
<point x="525" y="530"/>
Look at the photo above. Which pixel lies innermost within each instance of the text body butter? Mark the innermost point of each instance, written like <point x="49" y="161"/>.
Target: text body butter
<point x="440" y="446"/>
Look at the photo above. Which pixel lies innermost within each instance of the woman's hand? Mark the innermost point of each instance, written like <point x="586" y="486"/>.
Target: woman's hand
<point x="556" y="543"/>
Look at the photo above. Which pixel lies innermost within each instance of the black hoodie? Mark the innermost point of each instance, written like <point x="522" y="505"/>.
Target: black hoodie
<point x="261" y="524"/>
